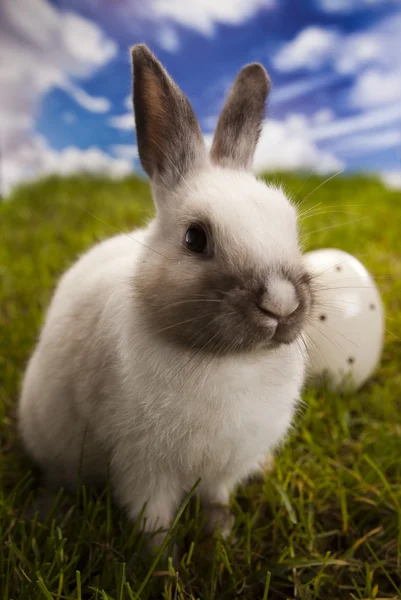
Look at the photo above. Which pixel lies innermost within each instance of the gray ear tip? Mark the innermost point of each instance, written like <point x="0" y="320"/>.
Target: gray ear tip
<point x="140" y="53"/>
<point x="256" y="73"/>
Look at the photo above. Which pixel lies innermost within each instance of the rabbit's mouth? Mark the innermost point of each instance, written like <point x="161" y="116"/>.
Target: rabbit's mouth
<point x="286" y="334"/>
<point x="280" y="330"/>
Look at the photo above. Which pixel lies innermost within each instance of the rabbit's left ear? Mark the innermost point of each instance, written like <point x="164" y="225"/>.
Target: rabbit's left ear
<point x="240" y="122"/>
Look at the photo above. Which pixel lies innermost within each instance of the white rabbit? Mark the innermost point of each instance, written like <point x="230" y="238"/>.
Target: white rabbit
<point x="174" y="353"/>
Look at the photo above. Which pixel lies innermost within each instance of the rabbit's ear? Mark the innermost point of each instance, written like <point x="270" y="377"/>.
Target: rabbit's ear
<point x="240" y="122"/>
<point x="170" y="141"/>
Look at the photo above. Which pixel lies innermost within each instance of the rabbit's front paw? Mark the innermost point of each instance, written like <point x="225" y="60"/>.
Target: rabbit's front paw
<point x="217" y="507"/>
<point x="220" y="517"/>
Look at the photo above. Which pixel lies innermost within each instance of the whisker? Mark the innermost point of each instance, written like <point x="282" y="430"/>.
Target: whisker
<point x="213" y="357"/>
<point x="192" y="358"/>
<point x="314" y="325"/>
<point x="317" y="348"/>
<point x="344" y="287"/>
<point x="315" y="206"/>
<point x="202" y="358"/>
<point x="322" y="184"/>
<point x="374" y="277"/>
<point x="393" y="334"/>
<point x="336" y="332"/>
<point x="197" y="352"/>
<point x="337" y="225"/>
<point x="340" y="303"/>
<point x="339" y="306"/>
<point x="183" y="322"/>
<point x="325" y="212"/>
<point x="298" y="341"/>
<point x="330" y="206"/>
<point x="316" y="274"/>
<point x="303" y="183"/>
<point x="190" y="301"/>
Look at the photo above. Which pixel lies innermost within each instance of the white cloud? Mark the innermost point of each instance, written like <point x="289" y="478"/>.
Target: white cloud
<point x="286" y="145"/>
<point x="377" y="89"/>
<point x="374" y="87"/>
<point x="43" y="48"/>
<point x="125" y="122"/>
<point x="128" y="102"/>
<point x="128" y="151"/>
<point x="288" y="92"/>
<point x="311" y="49"/>
<point x="36" y="159"/>
<point x="150" y="19"/>
<point x="168" y="39"/>
<point x="85" y="42"/>
<point x="317" y="47"/>
<point x="91" y="103"/>
<point x="379" y="83"/>
<point x="204" y="15"/>
<point x="350" y="5"/>
<point x="369" y="142"/>
<point x="68" y="117"/>
<point x="210" y="123"/>
<point x="368" y="121"/>
<point x="324" y="115"/>
<point x="356" y="51"/>
<point x="392" y="179"/>
<point x="337" y="5"/>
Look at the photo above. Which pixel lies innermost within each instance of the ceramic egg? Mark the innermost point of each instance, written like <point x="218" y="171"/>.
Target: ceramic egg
<point x="345" y="334"/>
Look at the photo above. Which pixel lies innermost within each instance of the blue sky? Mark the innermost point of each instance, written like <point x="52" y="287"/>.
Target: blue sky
<point x="335" y="102"/>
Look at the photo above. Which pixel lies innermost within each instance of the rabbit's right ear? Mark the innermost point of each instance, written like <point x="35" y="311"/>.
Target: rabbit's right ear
<point x="170" y="141"/>
<point x="240" y="122"/>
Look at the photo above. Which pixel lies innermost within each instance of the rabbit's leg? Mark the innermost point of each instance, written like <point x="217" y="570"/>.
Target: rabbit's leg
<point x="216" y="500"/>
<point x="158" y="516"/>
<point x="157" y="498"/>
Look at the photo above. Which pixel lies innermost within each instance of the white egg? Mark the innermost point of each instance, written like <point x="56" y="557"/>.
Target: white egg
<point x="346" y="333"/>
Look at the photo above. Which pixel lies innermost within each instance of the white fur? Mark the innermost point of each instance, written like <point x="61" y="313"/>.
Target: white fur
<point x="281" y="298"/>
<point x="161" y="419"/>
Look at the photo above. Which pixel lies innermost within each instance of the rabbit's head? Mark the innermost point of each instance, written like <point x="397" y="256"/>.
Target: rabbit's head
<point x="222" y="272"/>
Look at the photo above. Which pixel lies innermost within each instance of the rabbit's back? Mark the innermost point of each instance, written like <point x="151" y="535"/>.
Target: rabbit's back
<point x="74" y="364"/>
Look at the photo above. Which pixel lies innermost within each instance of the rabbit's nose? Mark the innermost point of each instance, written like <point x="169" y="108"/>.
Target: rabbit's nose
<point x="280" y="299"/>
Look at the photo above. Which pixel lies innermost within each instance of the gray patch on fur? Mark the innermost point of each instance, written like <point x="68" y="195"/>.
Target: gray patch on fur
<point x="210" y="304"/>
<point x="240" y="122"/>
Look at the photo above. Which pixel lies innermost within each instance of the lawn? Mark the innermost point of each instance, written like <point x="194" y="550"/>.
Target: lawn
<point x="325" y="524"/>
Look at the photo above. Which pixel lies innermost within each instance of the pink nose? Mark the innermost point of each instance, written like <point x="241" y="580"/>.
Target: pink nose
<point x="280" y="300"/>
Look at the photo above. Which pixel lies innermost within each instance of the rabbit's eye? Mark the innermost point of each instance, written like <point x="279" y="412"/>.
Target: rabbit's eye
<point x="196" y="239"/>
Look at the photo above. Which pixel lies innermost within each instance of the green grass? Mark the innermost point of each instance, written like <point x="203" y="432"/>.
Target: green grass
<point x="325" y="524"/>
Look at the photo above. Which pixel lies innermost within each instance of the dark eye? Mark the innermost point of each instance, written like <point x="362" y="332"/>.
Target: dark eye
<point x="196" y="239"/>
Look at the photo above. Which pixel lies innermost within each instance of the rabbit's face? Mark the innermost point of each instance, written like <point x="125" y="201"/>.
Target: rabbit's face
<point x="233" y="280"/>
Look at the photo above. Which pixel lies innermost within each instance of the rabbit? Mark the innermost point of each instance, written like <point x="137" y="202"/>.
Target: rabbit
<point x="174" y="353"/>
